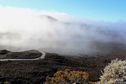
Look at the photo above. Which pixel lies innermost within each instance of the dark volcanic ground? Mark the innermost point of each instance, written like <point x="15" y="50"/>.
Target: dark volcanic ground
<point x="35" y="72"/>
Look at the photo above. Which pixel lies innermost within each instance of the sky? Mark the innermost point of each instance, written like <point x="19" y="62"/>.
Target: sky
<point x="101" y="10"/>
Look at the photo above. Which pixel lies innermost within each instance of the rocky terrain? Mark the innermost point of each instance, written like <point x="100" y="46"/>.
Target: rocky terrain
<point x="36" y="71"/>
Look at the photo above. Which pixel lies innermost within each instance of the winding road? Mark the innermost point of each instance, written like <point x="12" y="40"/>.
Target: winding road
<point x="41" y="57"/>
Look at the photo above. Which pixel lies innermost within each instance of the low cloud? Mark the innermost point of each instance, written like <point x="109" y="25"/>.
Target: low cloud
<point x="22" y="29"/>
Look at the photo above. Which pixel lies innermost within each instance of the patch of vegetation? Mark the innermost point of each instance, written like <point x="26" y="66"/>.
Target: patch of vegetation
<point x="68" y="76"/>
<point x="114" y="72"/>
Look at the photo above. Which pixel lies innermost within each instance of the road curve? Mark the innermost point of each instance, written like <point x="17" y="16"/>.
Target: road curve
<point x="41" y="57"/>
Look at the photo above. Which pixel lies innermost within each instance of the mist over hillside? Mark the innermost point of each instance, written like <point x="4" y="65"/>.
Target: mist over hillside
<point x="22" y="29"/>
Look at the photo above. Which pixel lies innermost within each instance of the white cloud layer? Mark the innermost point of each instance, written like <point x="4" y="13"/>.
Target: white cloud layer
<point x="22" y="28"/>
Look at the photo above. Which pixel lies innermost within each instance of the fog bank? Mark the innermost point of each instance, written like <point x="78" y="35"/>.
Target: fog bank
<point x="22" y="29"/>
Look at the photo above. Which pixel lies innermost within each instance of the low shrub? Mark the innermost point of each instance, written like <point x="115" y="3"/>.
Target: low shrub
<point x="114" y="72"/>
<point x="68" y="77"/>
